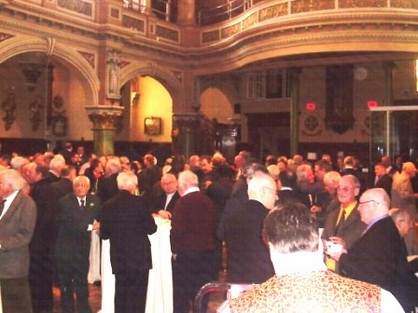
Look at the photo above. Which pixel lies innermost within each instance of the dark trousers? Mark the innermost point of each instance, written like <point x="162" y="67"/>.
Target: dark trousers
<point x="73" y="278"/>
<point x="40" y="279"/>
<point x="15" y="295"/>
<point x="190" y="272"/>
<point x="131" y="291"/>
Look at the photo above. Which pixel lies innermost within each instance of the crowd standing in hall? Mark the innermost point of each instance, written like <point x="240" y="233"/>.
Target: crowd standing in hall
<point x="209" y="201"/>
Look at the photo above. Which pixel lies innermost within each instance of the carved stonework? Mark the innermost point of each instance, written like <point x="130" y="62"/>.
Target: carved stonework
<point x="78" y="6"/>
<point x="113" y="74"/>
<point x="9" y="107"/>
<point x="167" y="33"/>
<point x="105" y="117"/>
<point x="4" y="36"/>
<point x="90" y="57"/>
<point x="133" y="23"/>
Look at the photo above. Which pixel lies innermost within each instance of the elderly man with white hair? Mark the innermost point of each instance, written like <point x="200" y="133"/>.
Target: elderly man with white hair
<point x="194" y="221"/>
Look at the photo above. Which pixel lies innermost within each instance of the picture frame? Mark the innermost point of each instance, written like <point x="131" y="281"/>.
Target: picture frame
<point x="152" y="126"/>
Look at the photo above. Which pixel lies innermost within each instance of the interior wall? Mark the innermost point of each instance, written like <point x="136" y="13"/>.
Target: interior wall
<point x="215" y="104"/>
<point x="15" y="93"/>
<point x="153" y="101"/>
<point x="68" y="84"/>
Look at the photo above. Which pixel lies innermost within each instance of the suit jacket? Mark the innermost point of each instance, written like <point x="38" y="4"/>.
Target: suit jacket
<point x="107" y="187"/>
<point x="73" y="239"/>
<point x="126" y="222"/>
<point x="384" y="182"/>
<point x="16" y="230"/>
<point x="159" y="203"/>
<point x="248" y="255"/>
<point x="45" y="229"/>
<point x="350" y="230"/>
<point x="193" y="224"/>
<point x="376" y="256"/>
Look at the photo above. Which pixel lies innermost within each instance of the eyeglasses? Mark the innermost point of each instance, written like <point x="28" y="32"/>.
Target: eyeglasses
<point x="367" y="201"/>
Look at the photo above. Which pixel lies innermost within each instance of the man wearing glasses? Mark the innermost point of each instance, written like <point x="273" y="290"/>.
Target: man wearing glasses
<point x="343" y="226"/>
<point x="375" y="258"/>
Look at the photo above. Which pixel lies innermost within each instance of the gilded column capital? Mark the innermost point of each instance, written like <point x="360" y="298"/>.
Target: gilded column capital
<point x="104" y="116"/>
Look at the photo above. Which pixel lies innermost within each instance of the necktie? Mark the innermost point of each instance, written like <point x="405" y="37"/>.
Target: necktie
<point x="82" y="206"/>
<point x="2" y="206"/>
<point x="342" y="219"/>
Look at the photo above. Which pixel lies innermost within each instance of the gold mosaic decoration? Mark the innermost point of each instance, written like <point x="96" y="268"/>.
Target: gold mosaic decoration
<point x="273" y="11"/>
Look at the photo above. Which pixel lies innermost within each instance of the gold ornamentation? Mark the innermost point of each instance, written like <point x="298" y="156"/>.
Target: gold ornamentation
<point x="273" y="11"/>
<point x="230" y="30"/>
<point x="249" y="21"/>
<point x="300" y="6"/>
<point x="104" y="120"/>
<point x="210" y="36"/>
<point x="405" y="4"/>
<point x="362" y="4"/>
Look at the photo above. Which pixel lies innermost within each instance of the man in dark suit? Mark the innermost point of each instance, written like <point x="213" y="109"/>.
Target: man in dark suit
<point x="343" y="225"/>
<point x="164" y="203"/>
<point x="17" y="223"/>
<point x="376" y="256"/>
<point x="126" y="222"/>
<point x="193" y="227"/>
<point x="78" y="214"/>
<point x="43" y="239"/>
<point x="382" y="179"/>
<point x="243" y="233"/>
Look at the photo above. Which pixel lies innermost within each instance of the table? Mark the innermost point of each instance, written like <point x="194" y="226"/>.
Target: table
<point x="160" y="280"/>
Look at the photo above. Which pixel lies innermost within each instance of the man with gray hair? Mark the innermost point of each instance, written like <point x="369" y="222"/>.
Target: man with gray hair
<point x="302" y="283"/>
<point x="243" y="227"/>
<point x="194" y="221"/>
<point x="376" y="257"/>
<point x="126" y="222"/>
<point x="17" y="223"/>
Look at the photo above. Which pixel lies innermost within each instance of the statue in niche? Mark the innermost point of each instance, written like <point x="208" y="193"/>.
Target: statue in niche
<point x="9" y="107"/>
<point x="113" y="66"/>
<point x="35" y="109"/>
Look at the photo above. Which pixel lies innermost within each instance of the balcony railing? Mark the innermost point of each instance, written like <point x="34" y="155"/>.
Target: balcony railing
<point x="224" y="12"/>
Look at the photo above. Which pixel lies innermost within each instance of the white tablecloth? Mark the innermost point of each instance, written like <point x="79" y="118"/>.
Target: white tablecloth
<point x="160" y="281"/>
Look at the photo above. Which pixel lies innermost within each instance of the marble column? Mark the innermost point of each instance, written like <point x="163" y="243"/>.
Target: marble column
<point x="104" y="120"/>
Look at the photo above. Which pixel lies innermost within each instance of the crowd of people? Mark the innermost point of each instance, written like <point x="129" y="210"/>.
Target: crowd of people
<point x="278" y="219"/>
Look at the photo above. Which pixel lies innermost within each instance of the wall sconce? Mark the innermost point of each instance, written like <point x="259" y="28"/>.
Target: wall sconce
<point x="152" y="126"/>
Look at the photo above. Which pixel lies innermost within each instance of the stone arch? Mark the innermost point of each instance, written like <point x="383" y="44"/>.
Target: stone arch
<point x="22" y="44"/>
<point x="166" y="77"/>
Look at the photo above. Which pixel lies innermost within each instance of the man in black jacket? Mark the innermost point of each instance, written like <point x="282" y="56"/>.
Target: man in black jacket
<point x="126" y="222"/>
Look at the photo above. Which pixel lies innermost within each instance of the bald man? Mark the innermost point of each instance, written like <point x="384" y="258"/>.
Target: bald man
<point x="376" y="256"/>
